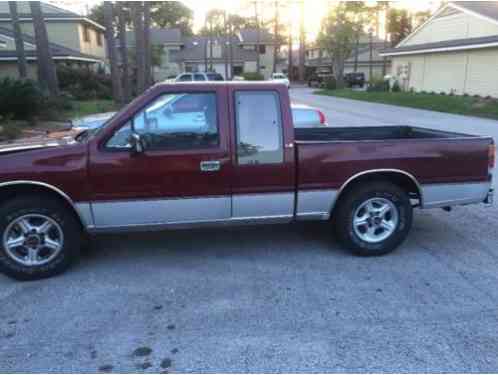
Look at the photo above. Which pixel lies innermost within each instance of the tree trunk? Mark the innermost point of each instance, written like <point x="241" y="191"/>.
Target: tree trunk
<point x="46" y="67"/>
<point x="124" y="54"/>
<point x="301" y="44"/>
<point x="289" y="64"/>
<point x="211" y="31"/>
<point x="386" y="25"/>
<point x="117" y="93"/>
<point x="147" y="46"/>
<point x="138" y="24"/>
<point x="275" y="35"/>
<point x="370" y="62"/>
<point x="338" y="66"/>
<point x="21" y="57"/>
<point x="356" y="51"/>
<point x="231" y="36"/>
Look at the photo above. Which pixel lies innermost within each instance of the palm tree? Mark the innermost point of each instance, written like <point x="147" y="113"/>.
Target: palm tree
<point x="147" y="45"/>
<point x="124" y="53"/>
<point x="21" y="57"/>
<point x="46" y="68"/>
<point x="138" y="24"/>
<point x="111" y="51"/>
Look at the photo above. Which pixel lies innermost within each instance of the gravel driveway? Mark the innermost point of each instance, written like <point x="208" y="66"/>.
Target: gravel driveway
<point x="269" y="299"/>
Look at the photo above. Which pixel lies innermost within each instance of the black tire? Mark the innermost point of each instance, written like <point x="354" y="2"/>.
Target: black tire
<point x="347" y="206"/>
<point x="58" y="212"/>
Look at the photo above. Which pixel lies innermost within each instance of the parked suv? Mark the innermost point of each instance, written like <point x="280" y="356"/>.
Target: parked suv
<point x="355" y="79"/>
<point x="199" y="76"/>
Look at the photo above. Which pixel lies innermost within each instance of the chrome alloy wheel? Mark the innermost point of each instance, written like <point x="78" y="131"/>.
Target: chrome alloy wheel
<point x="33" y="240"/>
<point x="375" y="220"/>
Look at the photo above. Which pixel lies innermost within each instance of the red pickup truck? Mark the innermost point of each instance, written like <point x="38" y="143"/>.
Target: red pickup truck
<point x="189" y="154"/>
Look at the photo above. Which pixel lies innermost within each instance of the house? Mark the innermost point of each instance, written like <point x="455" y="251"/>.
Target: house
<point x="454" y="51"/>
<point x="74" y="39"/>
<point x="179" y="53"/>
<point x="317" y="59"/>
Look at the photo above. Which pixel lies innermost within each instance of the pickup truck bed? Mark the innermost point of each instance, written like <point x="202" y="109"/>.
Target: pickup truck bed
<point x="372" y="133"/>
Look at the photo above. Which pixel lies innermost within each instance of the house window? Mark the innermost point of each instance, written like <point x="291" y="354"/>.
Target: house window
<point x="86" y="34"/>
<point x="99" y="38"/>
<point x="262" y="49"/>
<point x="3" y="44"/>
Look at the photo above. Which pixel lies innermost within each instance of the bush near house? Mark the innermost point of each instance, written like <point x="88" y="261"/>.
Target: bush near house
<point x="253" y="76"/>
<point x="84" y="84"/>
<point x="19" y="99"/>
<point x="463" y="105"/>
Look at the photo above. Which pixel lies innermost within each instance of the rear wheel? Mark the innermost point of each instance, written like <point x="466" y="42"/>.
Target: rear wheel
<point x="373" y="219"/>
<point x="39" y="237"/>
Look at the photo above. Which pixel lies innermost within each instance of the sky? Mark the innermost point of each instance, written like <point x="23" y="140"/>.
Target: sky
<point x="290" y="13"/>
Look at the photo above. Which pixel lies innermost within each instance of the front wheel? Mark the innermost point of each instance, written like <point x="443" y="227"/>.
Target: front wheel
<point x="374" y="219"/>
<point x="39" y="237"/>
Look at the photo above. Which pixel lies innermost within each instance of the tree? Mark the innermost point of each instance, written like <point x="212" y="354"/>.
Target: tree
<point x="337" y="35"/>
<point x="21" y="57"/>
<point x="172" y="14"/>
<point x="46" y="67"/>
<point x="214" y="24"/>
<point x="138" y="25"/>
<point x="117" y="92"/>
<point x="124" y="52"/>
<point x="399" y="25"/>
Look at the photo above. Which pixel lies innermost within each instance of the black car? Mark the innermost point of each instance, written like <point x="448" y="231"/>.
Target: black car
<point x="355" y="79"/>
<point x="318" y="80"/>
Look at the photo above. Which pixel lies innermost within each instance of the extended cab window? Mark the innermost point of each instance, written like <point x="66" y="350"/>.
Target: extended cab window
<point x="173" y="122"/>
<point x="259" y="127"/>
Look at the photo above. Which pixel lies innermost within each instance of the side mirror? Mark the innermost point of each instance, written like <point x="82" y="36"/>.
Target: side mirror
<point x="137" y="143"/>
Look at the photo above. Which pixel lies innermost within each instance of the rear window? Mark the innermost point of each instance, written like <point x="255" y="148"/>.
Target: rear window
<point x="214" y="77"/>
<point x="305" y="116"/>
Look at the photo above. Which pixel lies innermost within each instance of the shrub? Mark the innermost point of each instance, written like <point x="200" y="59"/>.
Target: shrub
<point x="396" y="87"/>
<point x="330" y="83"/>
<point x="53" y="107"/>
<point x="84" y="84"/>
<point x="377" y="85"/>
<point x="19" y="98"/>
<point x="253" y="76"/>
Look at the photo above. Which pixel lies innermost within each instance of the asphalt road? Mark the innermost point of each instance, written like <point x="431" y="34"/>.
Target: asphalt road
<point x="270" y="299"/>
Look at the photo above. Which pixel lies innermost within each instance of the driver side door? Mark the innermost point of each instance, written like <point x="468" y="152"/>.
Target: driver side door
<point x="183" y="174"/>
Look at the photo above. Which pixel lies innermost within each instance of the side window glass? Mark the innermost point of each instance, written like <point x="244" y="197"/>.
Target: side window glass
<point x="185" y="78"/>
<point x="120" y="139"/>
<point x="199" y="77"/>
<point x="259" y="132"/>
<point x="173" y="122"/>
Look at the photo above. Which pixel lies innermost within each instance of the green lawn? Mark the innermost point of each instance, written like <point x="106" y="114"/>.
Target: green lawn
<point x="89" y="107"/>
<point x="464" y="105"/>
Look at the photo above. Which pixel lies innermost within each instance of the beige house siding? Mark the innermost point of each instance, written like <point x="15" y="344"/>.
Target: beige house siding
<point x="10" y="70"/>
<point x="90" y="47"/>
<point x="467" y="72"/>
<point x="459" y="26"/>
<point x="482" y="75"/>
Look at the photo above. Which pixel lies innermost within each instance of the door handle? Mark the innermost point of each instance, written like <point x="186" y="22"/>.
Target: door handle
<point x="210" y="166"/>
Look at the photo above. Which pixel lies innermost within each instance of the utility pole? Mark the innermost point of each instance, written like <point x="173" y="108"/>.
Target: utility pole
<point x="21" y="56"/>
<point x="231" y="39"/>
<point x="386" y="33"/>
<point x="211" y="45"/>
<point x="302" y="39"/>
<point x="147" y="45"/>
<point x="275" y="35"/>
<point x="258" y="36"/>
<point x="225" y="49"/>
<point x="370" y="67"/>
<point x="289" y="64"/>
<point x="138" y="23"/>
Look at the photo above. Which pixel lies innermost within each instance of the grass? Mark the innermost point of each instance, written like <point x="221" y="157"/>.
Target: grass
<point x="89" y="107"/>
<point x="463" y="105"/>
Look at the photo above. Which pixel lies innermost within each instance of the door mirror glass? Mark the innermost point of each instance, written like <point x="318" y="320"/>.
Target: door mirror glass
<point x="137" y="143"/>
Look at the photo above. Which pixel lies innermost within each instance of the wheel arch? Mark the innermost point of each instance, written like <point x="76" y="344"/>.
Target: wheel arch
<point x="12" y="188"/>
<point x="401" y="178"/>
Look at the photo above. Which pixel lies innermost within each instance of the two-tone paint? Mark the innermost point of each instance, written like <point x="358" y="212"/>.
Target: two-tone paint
<point x="119" y="190"/>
